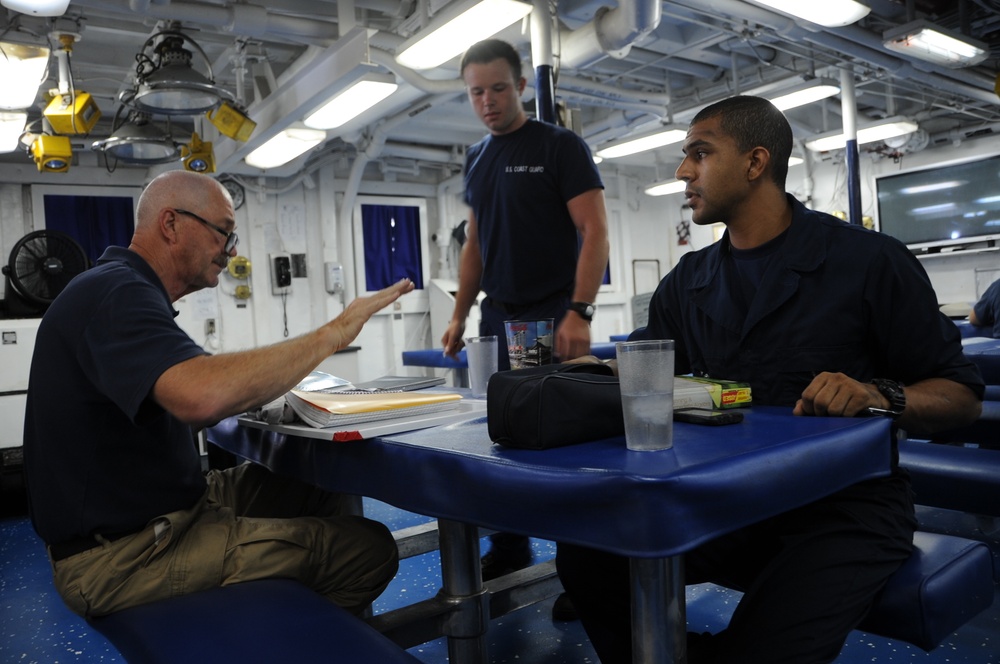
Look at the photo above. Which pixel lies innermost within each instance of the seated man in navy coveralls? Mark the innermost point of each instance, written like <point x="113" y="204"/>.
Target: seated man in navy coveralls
<point x="825" y="318"/>
<point x="114" y="478"/>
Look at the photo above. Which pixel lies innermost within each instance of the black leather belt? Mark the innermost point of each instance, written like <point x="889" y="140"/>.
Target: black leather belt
<point x="72" y="547"/>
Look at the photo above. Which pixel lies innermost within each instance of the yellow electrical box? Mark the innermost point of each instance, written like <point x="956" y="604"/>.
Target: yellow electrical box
<point x="52" y="154"/>
<point x="72" y="114"/>
<point x="232" y="122"/>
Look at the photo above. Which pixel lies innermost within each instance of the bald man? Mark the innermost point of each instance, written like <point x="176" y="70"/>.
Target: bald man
<point x="115" y="390"/>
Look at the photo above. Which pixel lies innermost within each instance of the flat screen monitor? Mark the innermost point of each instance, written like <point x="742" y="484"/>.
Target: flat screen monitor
<point x="942" y="206"/>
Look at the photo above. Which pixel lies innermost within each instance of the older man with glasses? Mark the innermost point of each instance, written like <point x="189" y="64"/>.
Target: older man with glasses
<point x="116" y="388"/>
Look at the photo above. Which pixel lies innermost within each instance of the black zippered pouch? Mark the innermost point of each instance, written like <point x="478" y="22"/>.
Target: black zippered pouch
<point x="554" y="405"/>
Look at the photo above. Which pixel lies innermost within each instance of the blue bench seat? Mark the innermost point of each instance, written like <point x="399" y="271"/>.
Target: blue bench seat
<point x="954" y="477"/>
<point x="257" y="622"/>
<point x="945" y="583"/>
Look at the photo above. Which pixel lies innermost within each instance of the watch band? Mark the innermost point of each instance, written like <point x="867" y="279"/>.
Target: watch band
<point x="893" y="392"/>
<point x="584" y="309"/>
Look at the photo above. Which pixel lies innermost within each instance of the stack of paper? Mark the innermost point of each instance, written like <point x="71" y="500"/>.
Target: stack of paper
<point x="322" y="410"/>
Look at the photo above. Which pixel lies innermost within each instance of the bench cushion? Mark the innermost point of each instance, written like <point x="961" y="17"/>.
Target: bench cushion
<point x="946" y="581"/>
<point x="267" y="621"/>
<point x="953" y="477"/>
<point x="985" y="431"/>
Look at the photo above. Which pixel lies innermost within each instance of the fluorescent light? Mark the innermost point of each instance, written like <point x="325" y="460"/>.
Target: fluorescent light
<point x="805" y="94"/>
<point x="284" y="147"/>
<point x="795" y="161"/>
<point x="459" y="26"/>
<point x="665" y="188"/>
<point x="351" y="103"/>
<point x="650" y="141"/>
<point x="829" y="13"/>
<point x="888" y="128"/>
<point x="11" y="128"/>
<point x="926" y="41"/>
<point x="22" y="70"/>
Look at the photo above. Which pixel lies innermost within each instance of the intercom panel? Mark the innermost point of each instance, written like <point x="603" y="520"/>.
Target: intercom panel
<point x="281" y="274"/>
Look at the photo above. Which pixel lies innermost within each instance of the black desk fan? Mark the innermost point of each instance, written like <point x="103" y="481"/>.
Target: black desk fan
<point x="41" y="264"/>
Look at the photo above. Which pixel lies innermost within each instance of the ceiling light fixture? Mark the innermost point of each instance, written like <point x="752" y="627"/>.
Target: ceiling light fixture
<point x="926" y="41"/>
<point x="52" y="154"/>
<point x="198" y="156"/>
<point x="11" y="128"/>
<point x="666" y="187"/>
<point x="882" y="130"/>
<point x="805" y="93"/>
<point x="648" y="141"/>
<point x="166" y="82"/>
<point x="37" y="7"/>
<point x="22" y="70"/>
<point x="456" y="28"/>
<point x="231" y="120"/>
<point x="284" y="147"/>
<point x="139" y="141"/>
<point x="828" y="13"/>
<point x="352" y="101"/>
<point x="70" y="111"/>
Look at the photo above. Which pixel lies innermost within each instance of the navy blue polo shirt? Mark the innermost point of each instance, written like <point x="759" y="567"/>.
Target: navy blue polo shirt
<point x="100" y="455"/>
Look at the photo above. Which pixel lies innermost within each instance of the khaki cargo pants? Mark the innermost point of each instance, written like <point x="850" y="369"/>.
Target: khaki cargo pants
<point x="250" y="524"/>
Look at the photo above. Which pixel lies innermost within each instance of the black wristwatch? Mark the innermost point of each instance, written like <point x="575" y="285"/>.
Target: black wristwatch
<point x="585" y="309"/>
<point x="893" y="391"/>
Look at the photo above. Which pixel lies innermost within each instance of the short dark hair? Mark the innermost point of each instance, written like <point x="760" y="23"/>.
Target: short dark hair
<point x="753" y="122"/>
<point x="489" y="50"/>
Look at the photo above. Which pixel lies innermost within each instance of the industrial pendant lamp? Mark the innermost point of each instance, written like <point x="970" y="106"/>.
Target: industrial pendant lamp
<point x="139" y="141"/>
<point x="167" y="83"/>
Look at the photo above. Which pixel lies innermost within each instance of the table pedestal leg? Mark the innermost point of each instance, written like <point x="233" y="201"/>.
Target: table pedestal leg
<point x="659" y="623"/>
<point x="462" y="583"/>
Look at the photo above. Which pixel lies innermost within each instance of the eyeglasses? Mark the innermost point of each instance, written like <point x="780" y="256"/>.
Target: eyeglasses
<point x="232" y="239"/>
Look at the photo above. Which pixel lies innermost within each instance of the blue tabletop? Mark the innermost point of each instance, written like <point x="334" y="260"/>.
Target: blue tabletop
<point x="984" y="353"/>
<point x="644" y="504"/>
<point x="969" y="330"/>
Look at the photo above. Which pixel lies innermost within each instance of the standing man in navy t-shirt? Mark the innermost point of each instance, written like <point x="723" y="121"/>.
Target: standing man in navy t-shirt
<point x="537" y="234"/>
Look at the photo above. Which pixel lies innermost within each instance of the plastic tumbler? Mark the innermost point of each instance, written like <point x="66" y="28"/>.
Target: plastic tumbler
<point x="646" y="375"/>
<point x="529" y="342"/>
<point x="482" y="355"/>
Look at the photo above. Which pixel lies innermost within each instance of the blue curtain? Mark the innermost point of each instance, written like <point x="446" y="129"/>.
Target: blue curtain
<point x="96" y="222"/>
<point x="392" y="245"/>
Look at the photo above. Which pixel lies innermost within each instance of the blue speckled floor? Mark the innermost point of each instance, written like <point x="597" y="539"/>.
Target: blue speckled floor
<point x="35" y="626"/>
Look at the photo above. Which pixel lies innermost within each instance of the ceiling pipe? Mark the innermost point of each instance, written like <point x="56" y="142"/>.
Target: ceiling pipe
<point x="613" y="93"/>
<point x="611" y="33"/>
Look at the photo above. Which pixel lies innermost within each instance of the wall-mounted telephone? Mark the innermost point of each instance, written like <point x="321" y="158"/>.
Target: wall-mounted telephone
<point x="334" y="277"/>
<point x="281" y="274"/>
